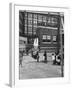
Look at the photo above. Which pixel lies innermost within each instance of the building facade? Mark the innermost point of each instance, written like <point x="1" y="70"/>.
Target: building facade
<point x="47" y="26"/>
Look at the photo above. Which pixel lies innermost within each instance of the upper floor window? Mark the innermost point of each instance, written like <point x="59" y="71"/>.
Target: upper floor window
<point x="35" y="16"/>
<point x="46" y="38"/>
<point x="54" y="38"/>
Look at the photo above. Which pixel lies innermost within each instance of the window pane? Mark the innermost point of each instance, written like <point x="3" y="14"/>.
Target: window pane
<point x="49" y="20"/>
<point x="62" y="23"/>
<point x="39" y="17"/>
<point x="44" y="36"/>
<point x="44" y="18"/>
<point x="54" y="38"/>
<point x="25" y="29"/>
<point x="25" y="15"/>
<point x="29" y="30"/>
<point x="30" y="33"/>
<point x="48" y="37"/>
<point x="35" y="16"/>
<point x="53" y="20"/>
<point x="25" y="21"/>
<point x="29" y="15"/>
<point x="29" y="22"/>
<point x="35" y="22"/>
<point x="34" y="30"/>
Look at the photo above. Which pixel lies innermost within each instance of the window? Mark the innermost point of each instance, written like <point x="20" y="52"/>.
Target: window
<point x="30" y="30"/>
<point x="46" y="38"/>
<point x="35" y="16"/>
<point x="62" y="23"/>
<point x="44" y="18"/>
<point x="29" y="15"/>
<point x="39" y="18"/>
<point x="34" y="30"/>
<point x="52" y="21"/>
<point x="25" y="15"/>
<point x="54" y="38"/>
<point x="29" y="22"/>
<point x="25" y="21"/>
<point x="25" y="29"/>
<point x="35" y="22"/>
<point x="49" y="20"/>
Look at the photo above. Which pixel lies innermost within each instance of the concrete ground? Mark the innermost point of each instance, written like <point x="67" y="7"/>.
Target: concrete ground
<point x="33" y="69"/>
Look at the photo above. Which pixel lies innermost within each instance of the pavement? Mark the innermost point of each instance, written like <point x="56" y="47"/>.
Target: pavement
<point x="33" y="69"/>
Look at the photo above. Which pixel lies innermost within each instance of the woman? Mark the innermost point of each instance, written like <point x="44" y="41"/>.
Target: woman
<point x="45" y="57"/>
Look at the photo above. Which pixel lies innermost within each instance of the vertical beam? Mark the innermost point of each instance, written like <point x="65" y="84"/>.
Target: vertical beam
<point x="58" y="33"/>
<point x="27" y="27"/>
<point x="32" y="25"/>
<point x="23" y="22"/>
<point x="27" y="23"/>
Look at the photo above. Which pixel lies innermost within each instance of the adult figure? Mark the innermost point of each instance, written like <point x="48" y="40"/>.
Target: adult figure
<point x="45" y="57"/>
<point x="37" y="56"/>
<point x="54" y="58"/>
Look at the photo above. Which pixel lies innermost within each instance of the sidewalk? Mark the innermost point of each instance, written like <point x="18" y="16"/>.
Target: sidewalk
<point x="32" y="69"/>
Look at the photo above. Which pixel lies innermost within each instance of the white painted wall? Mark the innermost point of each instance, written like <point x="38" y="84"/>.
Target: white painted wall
<point x="4" y="43"/>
